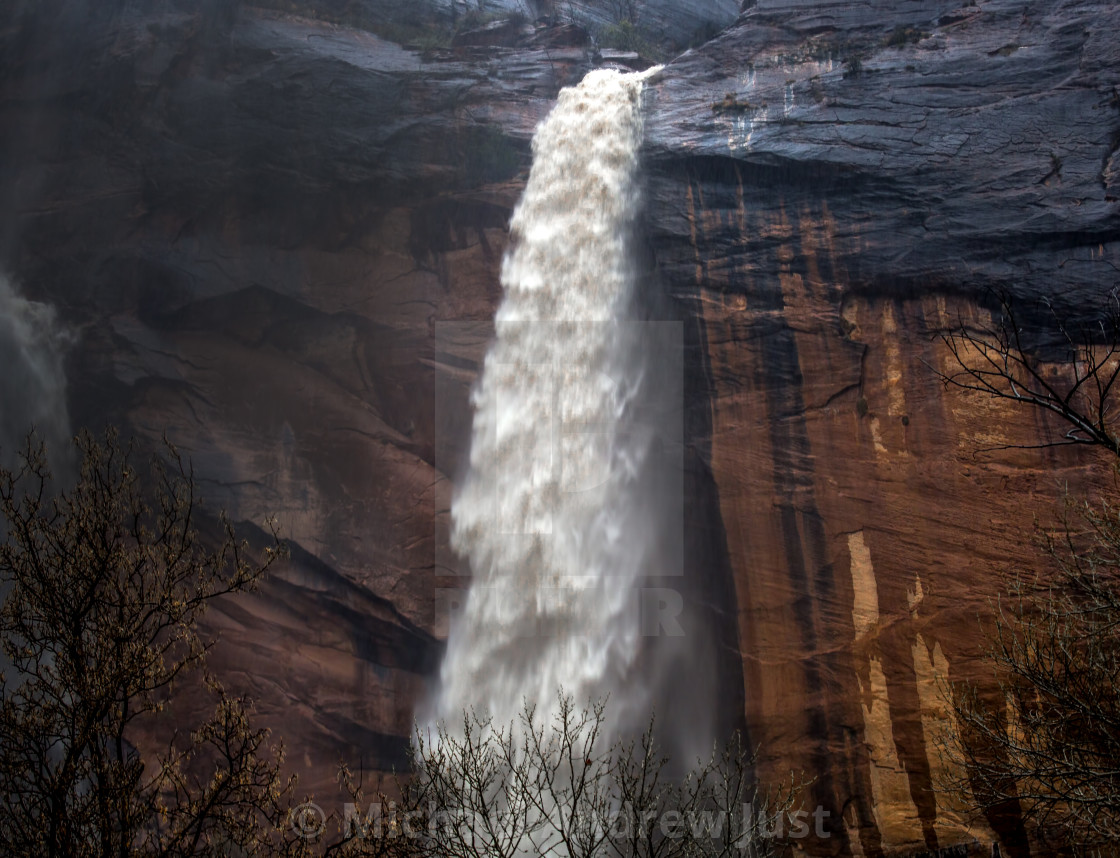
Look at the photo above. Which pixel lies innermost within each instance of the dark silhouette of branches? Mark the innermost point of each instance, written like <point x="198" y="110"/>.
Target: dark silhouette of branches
<point x="1048" y="740"/>
<point x="480" y="789"/>
<point x="104" y="585"/>
<point x="1079" y="386"/>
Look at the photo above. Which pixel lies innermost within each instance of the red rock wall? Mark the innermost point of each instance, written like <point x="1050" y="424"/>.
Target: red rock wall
<point x="253" y="224"/>
<point x="869" y="521"/>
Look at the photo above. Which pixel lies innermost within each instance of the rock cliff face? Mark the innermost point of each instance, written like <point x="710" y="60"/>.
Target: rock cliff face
<point x="250" y="223"/>
<point x="254" y="225"/>
<point x="828" y="188"/>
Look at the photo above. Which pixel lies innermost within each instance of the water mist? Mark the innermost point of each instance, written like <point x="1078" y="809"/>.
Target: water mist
<point x="33" y="383"/>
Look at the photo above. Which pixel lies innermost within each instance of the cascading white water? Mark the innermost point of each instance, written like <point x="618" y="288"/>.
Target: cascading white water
<point x="543" y="515"/>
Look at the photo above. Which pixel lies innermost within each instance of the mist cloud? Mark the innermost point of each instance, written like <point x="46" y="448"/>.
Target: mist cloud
<point x="32" y="375"/>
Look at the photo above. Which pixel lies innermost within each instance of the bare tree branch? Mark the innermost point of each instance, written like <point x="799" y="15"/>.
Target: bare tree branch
<point x="1080" y="388"/>
<point x="105" y="584"/>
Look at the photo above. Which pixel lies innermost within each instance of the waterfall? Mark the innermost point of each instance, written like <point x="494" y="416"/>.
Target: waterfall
<point x="550" y="513"/>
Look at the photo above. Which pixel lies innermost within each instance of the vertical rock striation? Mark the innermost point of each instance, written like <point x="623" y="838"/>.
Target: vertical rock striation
<point x="831" y="184"/>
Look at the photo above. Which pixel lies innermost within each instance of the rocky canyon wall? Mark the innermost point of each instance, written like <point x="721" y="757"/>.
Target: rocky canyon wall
<point x="830" y="187"/>
<point x="253" y="224"/>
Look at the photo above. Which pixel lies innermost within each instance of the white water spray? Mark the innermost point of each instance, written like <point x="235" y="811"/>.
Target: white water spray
<point x="33" y="383"/>
<point x="545" y="514"/>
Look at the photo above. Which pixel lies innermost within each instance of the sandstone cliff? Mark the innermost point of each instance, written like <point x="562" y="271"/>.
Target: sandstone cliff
<point x="829" y="186"/>
<point x="254" y="225"/>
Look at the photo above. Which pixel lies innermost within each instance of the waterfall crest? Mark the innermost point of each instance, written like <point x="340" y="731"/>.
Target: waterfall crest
<point x="542" y="515"/>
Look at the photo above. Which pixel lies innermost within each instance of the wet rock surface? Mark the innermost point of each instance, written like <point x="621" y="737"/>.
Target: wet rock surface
<point x="957" y="146"/>
<point x="250" y="224"/>
<point x="265" y="232"/>
<point x="830" y="186"/>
